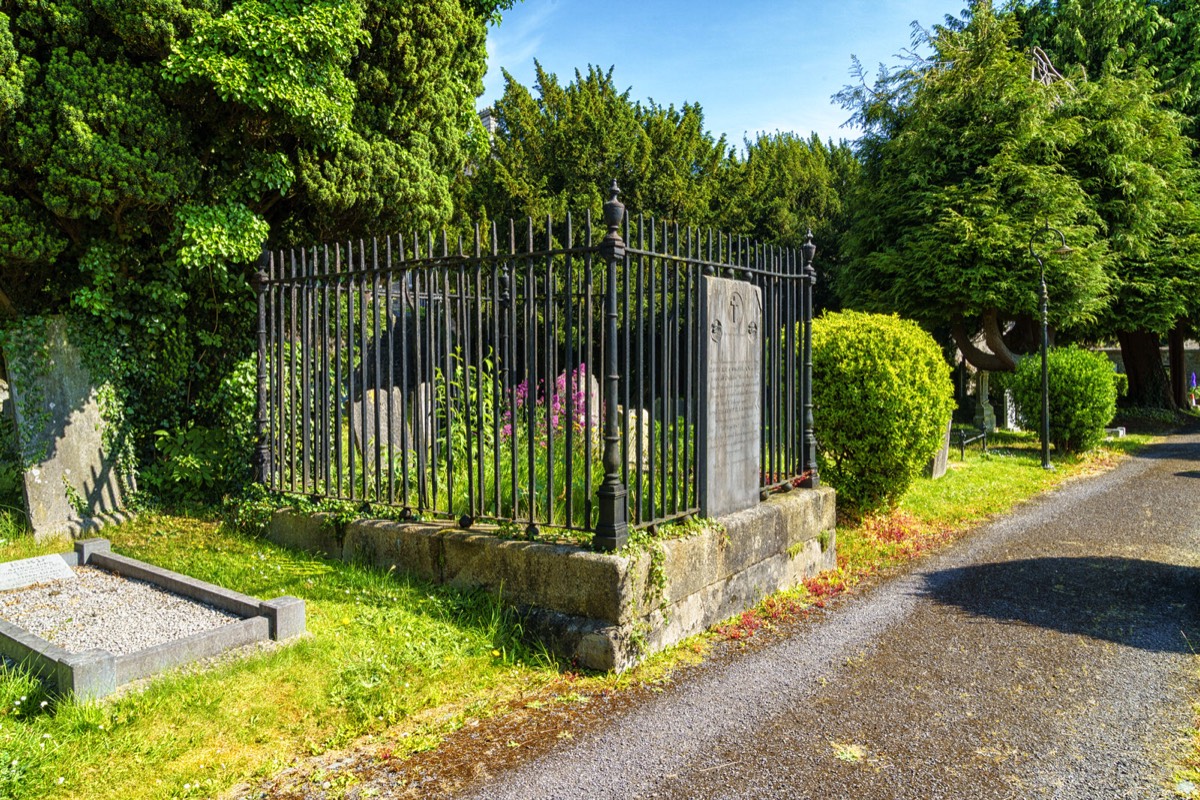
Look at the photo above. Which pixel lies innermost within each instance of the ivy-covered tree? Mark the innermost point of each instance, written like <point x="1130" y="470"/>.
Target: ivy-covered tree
<point x="149" y="149"/>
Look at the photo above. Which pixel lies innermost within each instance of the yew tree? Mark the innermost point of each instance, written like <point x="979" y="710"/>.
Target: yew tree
<point x="1136" y="66"/>
<point x="961" y="166"/>
<point x="558" y="147"/>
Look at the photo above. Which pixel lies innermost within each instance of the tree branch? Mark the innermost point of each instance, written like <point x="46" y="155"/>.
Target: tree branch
<point x="1000" y="359"/>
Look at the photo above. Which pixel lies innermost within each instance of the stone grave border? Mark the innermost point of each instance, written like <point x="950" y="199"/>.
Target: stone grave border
<point x="94" y="674"/>
<point x="601" y="611"/>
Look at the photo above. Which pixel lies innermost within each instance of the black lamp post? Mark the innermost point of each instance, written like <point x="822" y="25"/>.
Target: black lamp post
<point x="1061" y="250"/>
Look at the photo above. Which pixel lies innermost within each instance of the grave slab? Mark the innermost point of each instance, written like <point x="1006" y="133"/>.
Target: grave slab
<point x="730" y="377"/>
<point x="30" y="571"/>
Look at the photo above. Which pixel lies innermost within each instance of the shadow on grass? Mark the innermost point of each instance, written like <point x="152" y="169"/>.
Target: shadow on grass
<point x="1143" y="604"/>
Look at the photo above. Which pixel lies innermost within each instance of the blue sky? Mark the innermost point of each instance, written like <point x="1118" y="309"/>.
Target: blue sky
<point x="753" y="65"/>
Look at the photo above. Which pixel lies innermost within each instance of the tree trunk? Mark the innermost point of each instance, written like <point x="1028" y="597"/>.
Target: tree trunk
<point x="1179" y="390"/>
<point x="999" y="359"/>
<point x="1148" y="385"/>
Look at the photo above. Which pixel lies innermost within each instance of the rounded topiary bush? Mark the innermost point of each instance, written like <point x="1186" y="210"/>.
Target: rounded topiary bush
<point x="1083" y="396"/>
<point x="882" y="398"/>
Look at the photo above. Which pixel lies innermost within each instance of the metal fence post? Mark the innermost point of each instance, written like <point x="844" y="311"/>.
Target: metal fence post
<point x="612" y="527"/>
<point x="262" y="451"/>
<point x="808" y="251"/>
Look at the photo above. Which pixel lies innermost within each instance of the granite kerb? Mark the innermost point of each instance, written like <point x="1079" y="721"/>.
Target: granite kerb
<point x="93" y="674"/>
<point x="605" y="611"/>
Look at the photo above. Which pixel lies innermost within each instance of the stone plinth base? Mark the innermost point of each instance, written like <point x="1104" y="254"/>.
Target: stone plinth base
<point x="606" y="612"/>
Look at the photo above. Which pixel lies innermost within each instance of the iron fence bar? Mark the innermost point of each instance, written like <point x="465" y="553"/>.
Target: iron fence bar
<point x="510" y="370"/>
<point x="478" y="503"/>
<point x="262" y="447"/>
<point x="676" y="379"/>
<point x="572" y="375"/>
<point x="389" y="293"/>
<point x="376" y="334"/>
<point x="362" y="371"/>
<point x="498" y="367"/>
<point x="641" y="511"/>
<point x="627" y="341"/>
<point x="291" y="342"/>
<point x="306" y="375"/>
<point x="409" y="425"/>
<point x="444" y="321"/>
<point x="548" y="371"/>
<point x="655" y="415"/>
<point x="337" y="381"/>
<point x="593" y="414"/>
<point x="274" y="421"/>
<point x="530" y="375"/>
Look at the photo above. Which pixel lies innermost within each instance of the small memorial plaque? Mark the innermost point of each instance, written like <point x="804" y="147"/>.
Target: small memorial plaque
<point x="28" y="571"/>
<point x="730" y="382"/>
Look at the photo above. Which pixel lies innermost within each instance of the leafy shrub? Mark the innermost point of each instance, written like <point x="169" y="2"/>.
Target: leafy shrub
<point x="1083" y="396"/>
<point x="196" y="464"/>
<point x="882" y="398"/>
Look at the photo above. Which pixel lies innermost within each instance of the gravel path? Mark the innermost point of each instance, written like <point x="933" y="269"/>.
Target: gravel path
<point x="102" y="610"/>
<point x="1049" y="655"/>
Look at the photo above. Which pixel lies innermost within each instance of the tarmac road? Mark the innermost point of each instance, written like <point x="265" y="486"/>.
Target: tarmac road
<point x="1050" y="654"/>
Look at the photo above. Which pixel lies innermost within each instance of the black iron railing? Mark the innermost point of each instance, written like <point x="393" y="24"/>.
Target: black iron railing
<point x="542" y="376"/>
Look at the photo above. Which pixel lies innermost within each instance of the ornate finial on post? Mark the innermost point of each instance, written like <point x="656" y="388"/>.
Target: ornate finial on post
<point x="613" y="246"/>
<point x="612" y="527"/>
<point x="262" y="451"/>
<point x="808" y="250"/>
<point x="808" y="447"/>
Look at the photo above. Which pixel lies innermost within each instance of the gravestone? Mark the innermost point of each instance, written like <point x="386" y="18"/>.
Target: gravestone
<point x="30" y="571"/>
<point x="1008" y="412"/>
<point x="730" y="383"/>
<point x="985" y="415"/>
<point x="70" y="481"/>
<point x="409" y="426"/>
<point x="937" y="465"/>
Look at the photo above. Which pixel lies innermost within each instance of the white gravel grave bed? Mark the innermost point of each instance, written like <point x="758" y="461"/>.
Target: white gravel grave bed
<point x="104" y="611"/>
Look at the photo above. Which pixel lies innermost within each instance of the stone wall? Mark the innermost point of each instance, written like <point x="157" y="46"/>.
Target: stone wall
<point x="602" y="611"/>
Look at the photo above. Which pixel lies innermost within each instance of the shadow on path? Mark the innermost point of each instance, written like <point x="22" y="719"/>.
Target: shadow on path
<point x="1172" y="448"/>
<point x="1143" y="604"/>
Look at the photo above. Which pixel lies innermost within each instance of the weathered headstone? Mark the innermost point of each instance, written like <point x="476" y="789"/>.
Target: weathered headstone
<point x="1008" y="408"/>
<point x="938" y="464"/>
<point x="70" y="479"/>
<point x="730" y="383"/>
<point x="985" y="415"/>
<point x="29" y="571"/>
<point x="402" y="425"/>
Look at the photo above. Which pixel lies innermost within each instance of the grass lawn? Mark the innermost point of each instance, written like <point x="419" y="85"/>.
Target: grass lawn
<point x="391" y="656"/>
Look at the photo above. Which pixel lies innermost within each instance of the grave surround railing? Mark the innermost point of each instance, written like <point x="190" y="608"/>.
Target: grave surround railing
<point x="544" y="376"/>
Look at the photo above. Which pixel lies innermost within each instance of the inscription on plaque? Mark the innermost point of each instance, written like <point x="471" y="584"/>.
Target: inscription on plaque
<point x="28" y="571"/>
<point x="730" y="377"/>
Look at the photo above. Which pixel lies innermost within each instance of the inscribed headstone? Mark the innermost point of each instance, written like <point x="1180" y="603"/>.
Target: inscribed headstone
<point x="70" y="478"/>
<point x="28" y="571"/>
<point x="730" y="382"/>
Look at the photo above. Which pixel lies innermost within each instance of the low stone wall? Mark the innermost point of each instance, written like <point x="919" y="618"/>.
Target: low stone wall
<point x="602" y="611"/>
